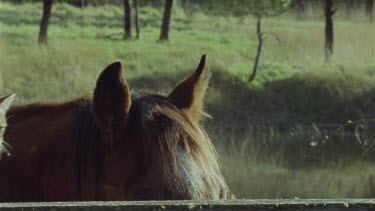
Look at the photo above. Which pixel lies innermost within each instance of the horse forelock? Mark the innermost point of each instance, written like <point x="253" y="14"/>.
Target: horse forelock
<point x="179" y="147"/>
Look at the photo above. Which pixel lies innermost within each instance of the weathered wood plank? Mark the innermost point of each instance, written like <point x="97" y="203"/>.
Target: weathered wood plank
<point x="261" y="205"/>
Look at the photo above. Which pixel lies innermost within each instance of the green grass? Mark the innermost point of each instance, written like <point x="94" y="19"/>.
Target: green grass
<point x="263" y="130"/>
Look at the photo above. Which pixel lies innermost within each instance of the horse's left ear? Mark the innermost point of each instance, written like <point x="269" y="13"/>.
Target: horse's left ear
<point x="111" y="102"/>
<point x="5" y="102"/>
<point x="189" y="93"/>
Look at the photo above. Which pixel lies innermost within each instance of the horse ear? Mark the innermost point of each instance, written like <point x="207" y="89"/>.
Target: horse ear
<point x="111" y="102"/>
<point x="189" y="93"/>
<point x="5" y="102"/>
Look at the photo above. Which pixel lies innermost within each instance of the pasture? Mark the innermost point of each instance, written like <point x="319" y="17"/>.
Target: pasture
<point x="277" y="137"/>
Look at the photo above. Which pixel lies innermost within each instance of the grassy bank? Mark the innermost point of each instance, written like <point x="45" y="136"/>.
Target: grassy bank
<point x="270" y="133"/>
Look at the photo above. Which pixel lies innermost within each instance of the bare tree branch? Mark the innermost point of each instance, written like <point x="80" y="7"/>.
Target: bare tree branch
<point x="279" y="41"/>
<point x="259" y="51"/>
<point x="271" y="11"/>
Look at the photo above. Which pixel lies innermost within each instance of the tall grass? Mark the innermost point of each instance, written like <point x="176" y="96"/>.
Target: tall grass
<point x="270" y="134"/>
<point x="254" y="165"/>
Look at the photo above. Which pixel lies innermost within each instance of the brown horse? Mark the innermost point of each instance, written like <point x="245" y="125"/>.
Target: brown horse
<point x="117" y="145"/>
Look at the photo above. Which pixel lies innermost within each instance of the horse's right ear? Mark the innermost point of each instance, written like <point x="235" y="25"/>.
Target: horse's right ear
<point x="5" y="102"/>
<point x="111" y="102"/>
<point x="189" y="93"/>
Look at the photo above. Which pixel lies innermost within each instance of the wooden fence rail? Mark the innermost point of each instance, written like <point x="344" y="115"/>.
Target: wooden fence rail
<point x="259" y="205"/>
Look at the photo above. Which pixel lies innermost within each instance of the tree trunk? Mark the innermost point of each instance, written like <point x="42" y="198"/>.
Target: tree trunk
<point x="127" y="20"/>
<point x="259" y="51"/>
<point x="370" y="9"/>
<point x="185" y="3"/>
<point x="299" y="9"/>
<point x="166" y="20"/>
<point x="329" y="12"/>
<point x="135" y="2"/>
<point x="82" y="4"/>
<point x="47" y="7"/>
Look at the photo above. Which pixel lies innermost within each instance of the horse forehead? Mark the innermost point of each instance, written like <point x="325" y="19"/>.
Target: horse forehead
<point x="149" y="98"/>
<point x="144" y="104"/>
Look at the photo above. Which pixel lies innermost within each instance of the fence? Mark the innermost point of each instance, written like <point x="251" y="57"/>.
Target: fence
<point x="259" y="205"/>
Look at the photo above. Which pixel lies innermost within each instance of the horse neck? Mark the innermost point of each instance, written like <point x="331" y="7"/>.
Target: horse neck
<point x="56" y="145"/>
<point x="35" y="127"/>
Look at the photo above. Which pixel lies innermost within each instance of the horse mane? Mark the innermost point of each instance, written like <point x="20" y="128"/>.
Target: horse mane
<point x="85" y="151"/>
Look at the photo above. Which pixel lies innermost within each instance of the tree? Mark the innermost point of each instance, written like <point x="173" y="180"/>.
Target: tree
<point x="370" y="9"/>
<point x="135" y="3"/>
<point x="259" y="49"/>
<point x="329" y="12"/>
<point x="299" y="8"/>
<point x="185" y="3"/>
<point x="82" y="4"/>
<point x="166" y="20"/>
<point x="127" y="20"/>
<point x="265" y="8"/>
<point x="47" y="7"/>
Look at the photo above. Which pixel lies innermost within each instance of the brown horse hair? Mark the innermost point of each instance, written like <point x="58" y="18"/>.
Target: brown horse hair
<point x="85" y="151"/>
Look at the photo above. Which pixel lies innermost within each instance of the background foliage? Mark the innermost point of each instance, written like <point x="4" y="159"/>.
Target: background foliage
<point x="277" y="137"/>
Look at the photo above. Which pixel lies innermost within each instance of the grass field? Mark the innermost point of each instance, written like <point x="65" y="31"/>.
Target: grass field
<point x="269" y="133"/>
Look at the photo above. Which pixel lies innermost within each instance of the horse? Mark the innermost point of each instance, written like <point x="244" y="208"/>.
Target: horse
<point x="113" y="145"/>
<point x="5" y="103"/>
